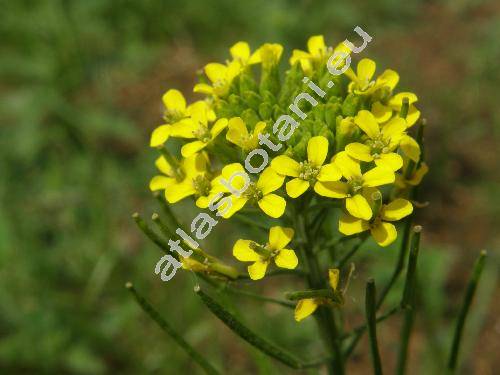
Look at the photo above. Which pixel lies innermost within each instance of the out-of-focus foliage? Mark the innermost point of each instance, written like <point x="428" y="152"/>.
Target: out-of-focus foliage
<point x="73" y="166"/>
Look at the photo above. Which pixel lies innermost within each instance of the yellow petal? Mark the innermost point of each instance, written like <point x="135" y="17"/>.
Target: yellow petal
<point x="269" y="181"/>
<point x="332" y="189"/>
<point x="286" y="166"/>
<point x="296" y="187"/>
<point x="329" y="172"/>
<point x="203" y="88"/>
<point x="410" y="147"/>
<point x="160" y="182"/>
<point x="192" y="148"/>
<point x="333" y="277"/>
<point x="219" y="126"/>
<point x="397" y="100"/>
<point x="388" y="78"/>
<point x="396" y="210"/>
<point x="413" y="115"/>
<point x="317" y="149"/>
<point x="286" y="258"/>
<point x="243" y="252"/>
<point x="366" y="69"/>
<point x="417" y="176"/>
<point x="186" y="128"/>
<point x="194" y="165"/>
<point x="378" y="176"/>
<point x="240" y="50"/>
<point x="349" y="167"/>
<point x="381" y="112"/>
<point x="215" y="71"/>
<point x="273" y="205"/>
<point x="237" y="131"/>
<point x="259" y="128"/>
<point x="384" y="233"/>
<point x="258" y="270"/>
<point x="316" y="45"/>
<point x="359" y="151"/>
<point x="358" y="207"/>
<point x="304" y="308"/>
<point x="163" y="166"/>
<point x="237" y="204"/>
<point x="390" y="161"/>
<point x="160" y="135"/>
<point x="177" y="192"/>
<point x="279" y="237"/>
<point x="366" y="121"/>
<point x="394" y="128"/>
<point x="350" y="225"/>
<point x="174" y="100"/>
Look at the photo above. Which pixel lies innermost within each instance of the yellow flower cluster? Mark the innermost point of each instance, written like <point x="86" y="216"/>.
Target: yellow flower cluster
<point x="338" y="140"/>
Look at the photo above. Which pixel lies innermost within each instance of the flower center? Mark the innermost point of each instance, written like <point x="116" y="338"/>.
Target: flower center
<point x="203" y="134"/>
<point x="355" y="185"/>
<point x="172" y="115"/>
<point x="378" y="146"/>
<point x="308" y="172"/>
<point x="202" y="185"/>
<point x="253" y="193"/>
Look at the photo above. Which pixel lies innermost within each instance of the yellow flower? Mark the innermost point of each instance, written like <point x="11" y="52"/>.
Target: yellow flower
<point x="260" y="192"/>
<point x="362" y="82"/>
<point x="414" y="179"/>
<point x="355" y="203"/>
<point x="197" y="127"/>
<point x="381" y="228"/>
<point x="221" y="77"/>
<point x="268" y="54"/>
<point x="393" y="106"/>
<point x="238" y="134"/>
<point x="262" y="255"/>
<point x="240" y="52"/>
<point x="179" y="116"/>
<point x="307" y="306"/>
<point x="307" y="173"/>
<point x="175" y="110"/>
<point x="317" y="53"/>
<point x="179" y="182"/>
<point x="381" y="142"/>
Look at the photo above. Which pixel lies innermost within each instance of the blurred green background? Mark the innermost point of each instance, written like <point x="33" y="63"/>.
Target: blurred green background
<point x="81" y="86"/>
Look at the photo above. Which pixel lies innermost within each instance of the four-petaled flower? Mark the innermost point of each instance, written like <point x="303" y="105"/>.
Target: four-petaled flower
<point x="380" y="226"/>
<point x="238" y="134"/>
<point x="259" y="192"/>
<point x="187" y="178"/>
<point x="352" y="189"/>
<point x="312" y="172"/>
<point x="262" y="255"/>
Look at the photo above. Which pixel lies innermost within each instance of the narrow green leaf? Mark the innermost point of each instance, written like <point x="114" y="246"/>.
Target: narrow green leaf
<point x="144" y="227"/>
<point x="248" y="335"/>
<point x="371" y="309"/>
<point x="469" y="295"/>
<point x="146" y="306"/>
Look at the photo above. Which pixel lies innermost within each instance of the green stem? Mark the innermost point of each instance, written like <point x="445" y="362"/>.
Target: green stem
<point x="372" y="325"/>
<point x="408" y="301"/>
<point x="314" y="293"/>
<point x="148" y="309"/>
<point x="397" y="271"/>
<point x="469" y="295"/>
<point x="324" y="316"/>
<point x="361" y="328"/>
